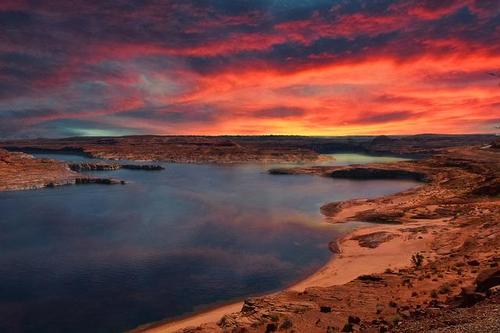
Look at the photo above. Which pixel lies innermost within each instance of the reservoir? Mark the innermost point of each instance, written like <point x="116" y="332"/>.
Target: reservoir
<point x="98" y="258"/>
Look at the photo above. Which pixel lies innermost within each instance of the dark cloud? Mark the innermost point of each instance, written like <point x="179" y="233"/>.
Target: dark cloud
<point x="384" y="117"/>
<point x="95" y="58"/>
<point x="462" y="78"/>
<point x="176" y="113"/>
<point x="279" y="112"/>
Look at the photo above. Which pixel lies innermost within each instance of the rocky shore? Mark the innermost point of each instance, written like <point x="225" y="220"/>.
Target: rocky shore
<point x="436" y="257"/>
<point x="113" y="166"/>
<point x="20" y="171"/>
<point x="360" y="172"/>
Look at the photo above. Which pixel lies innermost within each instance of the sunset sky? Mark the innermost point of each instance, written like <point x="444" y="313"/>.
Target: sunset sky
<point x="308" y="67"/>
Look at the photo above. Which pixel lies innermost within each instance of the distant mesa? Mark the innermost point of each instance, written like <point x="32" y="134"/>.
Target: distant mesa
<point x="241" y="149"/>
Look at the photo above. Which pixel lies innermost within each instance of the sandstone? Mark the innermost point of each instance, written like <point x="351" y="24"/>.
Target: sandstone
<point x="234" y="149"/>
<point x="20" y="171"/>
<point x="487" y="279"/>
<point x="99" y="166"/>
<point x="373" y="240"/>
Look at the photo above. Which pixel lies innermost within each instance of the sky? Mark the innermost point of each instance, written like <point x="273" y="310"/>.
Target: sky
<point x="213" y="67"/>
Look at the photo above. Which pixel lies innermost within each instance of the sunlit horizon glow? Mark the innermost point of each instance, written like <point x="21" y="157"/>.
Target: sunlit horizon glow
<point x="213" y="67"/>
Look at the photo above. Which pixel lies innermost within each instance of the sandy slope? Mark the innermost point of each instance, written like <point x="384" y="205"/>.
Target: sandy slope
<point x="354" y="261"/>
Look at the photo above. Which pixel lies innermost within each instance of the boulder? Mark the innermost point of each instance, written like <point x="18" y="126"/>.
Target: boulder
<point x="370" y="278"/>
<point x="353" y="320"/>
<point x="325" y="309"/>
<point x="487" y="279"/>
<point x="469" y="297"/>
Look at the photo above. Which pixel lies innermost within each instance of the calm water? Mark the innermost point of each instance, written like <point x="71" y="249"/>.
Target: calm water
<point x="108" y="258"/>
<point x="349" y="158"/>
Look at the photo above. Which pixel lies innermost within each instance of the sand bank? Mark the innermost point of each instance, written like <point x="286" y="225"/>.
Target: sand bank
<point x="354" y="260"/>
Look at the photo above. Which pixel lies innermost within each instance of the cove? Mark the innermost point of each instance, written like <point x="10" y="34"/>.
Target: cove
<point x="109" y="258"/>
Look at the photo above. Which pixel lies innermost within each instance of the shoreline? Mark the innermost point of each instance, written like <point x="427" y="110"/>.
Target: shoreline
<point x="353" y="261"/>
<point x="450" y="221"/>
<point x="376" y="281"/>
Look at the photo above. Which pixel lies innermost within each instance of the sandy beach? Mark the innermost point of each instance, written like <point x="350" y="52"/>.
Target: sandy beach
<point x="354" y="260"/>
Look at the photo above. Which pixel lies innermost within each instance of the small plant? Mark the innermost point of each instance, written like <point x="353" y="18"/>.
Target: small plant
<point x="274" y="317"/>
<point x="417" y="259"/>
<point x="445" y="288"/>
<point x="396" y="319"/>
<point x="287" y="323"/>
<point x="271" y="328"/>
<point x="347" y="328"/>
<point x="407" y="282"/>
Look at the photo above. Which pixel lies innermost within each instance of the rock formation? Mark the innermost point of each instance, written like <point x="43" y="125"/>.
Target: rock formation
<point x="235" y="149"/>
<point x="99" y="166"/>
<point x="20" y="171"/>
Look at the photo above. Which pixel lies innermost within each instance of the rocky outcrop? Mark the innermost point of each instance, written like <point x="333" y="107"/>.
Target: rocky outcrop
<point x="488" y="279"/>
<point x="264" y="311"/>
<point x="332" y="208"/>
<point x="358" y="172"/>
<point x="93" y="167"/>
<point x="104" y="181"/>
<point x="20" y="171"/>
<point x="334" y="247"/>
<point x="146" y="167"/>
<point x="113" y="166"/>
<point x="489" y="188"/>
<point x="373" y="240"/>
<point x="380" y="216"/>
<point x="365" y="173"/>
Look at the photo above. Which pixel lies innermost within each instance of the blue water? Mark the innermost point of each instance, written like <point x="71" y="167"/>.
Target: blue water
<point x="98" y="258"/>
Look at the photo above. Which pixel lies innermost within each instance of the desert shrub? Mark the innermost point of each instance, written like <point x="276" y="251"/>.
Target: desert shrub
<point x="417" y="259"/>
<point x="445" y="288"/>
<point x="347" y="328"/>
<point x="274" y="317"/>
<point x="396" y="319"/>
<point x="287" y="323"/>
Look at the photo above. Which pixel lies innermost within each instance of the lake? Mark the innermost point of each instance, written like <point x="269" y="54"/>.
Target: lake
<point x="98" y="258"/>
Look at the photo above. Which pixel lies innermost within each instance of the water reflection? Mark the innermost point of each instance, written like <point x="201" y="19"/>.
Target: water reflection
<point x="105" y="259"/>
